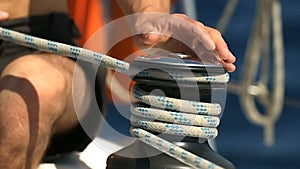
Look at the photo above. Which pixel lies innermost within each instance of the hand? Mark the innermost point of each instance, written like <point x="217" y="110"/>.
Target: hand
<point x="3" y="15"/>
<point x="179" y="33"/>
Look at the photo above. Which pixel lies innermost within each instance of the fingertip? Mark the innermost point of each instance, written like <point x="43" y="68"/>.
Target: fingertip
<point x="3" y="15"/>
<point x="232" y="59"/>
<point x="226" y="55"/>
<point x="230" y="68"/>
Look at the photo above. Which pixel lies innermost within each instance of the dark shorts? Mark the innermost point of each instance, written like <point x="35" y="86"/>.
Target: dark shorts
<point x="57" y="27"/>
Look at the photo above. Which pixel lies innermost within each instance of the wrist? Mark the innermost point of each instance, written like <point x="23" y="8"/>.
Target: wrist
<point x="163" y="7"/>
<point x="139" y="6"/>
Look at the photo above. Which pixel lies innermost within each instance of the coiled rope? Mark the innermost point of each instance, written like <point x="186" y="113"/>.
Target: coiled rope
<point x="196" y="113"/>
<point x="268" y="26"/>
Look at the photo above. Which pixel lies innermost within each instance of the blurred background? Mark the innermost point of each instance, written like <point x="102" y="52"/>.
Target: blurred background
<point x="240" y="140"/>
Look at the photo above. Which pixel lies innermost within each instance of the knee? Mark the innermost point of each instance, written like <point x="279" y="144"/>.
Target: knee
<point x="36" y="80"/>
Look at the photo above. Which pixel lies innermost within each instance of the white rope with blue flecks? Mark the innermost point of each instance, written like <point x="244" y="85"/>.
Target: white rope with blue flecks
<point x="63" y="49"/>
<point x="195" y="114"/>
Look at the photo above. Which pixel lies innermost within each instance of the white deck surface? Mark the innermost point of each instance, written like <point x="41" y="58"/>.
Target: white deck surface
<point x="93" y="157"/>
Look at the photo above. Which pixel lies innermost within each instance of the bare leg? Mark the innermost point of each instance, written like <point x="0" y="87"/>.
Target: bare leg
<point x="35" y="102"/>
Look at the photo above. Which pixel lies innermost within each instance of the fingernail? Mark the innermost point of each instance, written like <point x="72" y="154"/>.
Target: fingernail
<point x="232" y="68"/>
<point x="3" y="14"/>
<point x="229" y="52"/>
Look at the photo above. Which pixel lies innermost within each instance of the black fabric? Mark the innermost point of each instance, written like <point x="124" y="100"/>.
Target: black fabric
<point x="57" y="27"/>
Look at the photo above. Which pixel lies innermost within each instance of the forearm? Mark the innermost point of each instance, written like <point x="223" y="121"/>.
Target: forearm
<point x="137" y="6"/>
